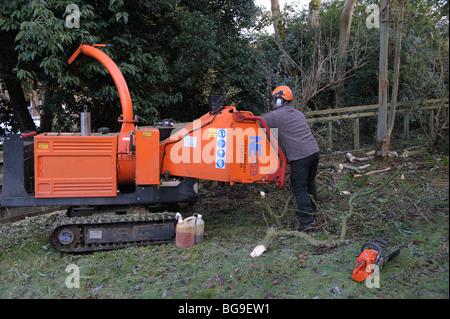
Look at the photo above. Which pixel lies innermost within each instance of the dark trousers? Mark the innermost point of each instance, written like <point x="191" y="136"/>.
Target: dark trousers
<point x="303" y="182"/>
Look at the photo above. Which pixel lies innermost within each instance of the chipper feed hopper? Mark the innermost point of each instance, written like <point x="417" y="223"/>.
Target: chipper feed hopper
<point x="94" y="174"/>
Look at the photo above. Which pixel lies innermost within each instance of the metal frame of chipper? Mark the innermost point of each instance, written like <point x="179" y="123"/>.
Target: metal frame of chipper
<point x="92" y="172"/>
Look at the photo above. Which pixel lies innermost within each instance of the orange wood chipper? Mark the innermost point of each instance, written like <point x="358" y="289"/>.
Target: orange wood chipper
<point x="94" y="174"/>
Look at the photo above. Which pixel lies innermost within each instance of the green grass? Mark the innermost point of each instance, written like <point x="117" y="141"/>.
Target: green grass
<point x="413" y="211"/>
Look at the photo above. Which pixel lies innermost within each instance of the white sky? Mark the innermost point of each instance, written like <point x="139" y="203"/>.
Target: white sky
<point x="294" y="3"/>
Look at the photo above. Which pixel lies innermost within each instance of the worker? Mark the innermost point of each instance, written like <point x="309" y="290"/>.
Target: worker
<point x="301" y="151"/>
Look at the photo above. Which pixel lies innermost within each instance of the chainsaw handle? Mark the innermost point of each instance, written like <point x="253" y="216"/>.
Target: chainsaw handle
<point x="375" y="246"/>
<point x="378" y="243"/>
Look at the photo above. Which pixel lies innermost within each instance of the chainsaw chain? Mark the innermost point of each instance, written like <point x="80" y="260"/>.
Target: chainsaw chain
<point x="129" y="220"/>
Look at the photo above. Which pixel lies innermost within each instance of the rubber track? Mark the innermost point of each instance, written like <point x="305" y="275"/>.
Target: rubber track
<point x="99" y="221"/>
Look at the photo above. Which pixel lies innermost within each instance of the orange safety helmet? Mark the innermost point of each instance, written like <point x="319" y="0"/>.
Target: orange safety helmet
<point x="283" y="91"/>
<point x="280" y="96"/>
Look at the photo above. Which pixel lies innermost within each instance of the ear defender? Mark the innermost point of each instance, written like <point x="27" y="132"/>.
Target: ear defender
<point x="278" y="102"/>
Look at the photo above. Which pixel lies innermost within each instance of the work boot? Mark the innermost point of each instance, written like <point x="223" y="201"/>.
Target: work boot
<point x="307" y="228"/>
<point x="306" y="221"/>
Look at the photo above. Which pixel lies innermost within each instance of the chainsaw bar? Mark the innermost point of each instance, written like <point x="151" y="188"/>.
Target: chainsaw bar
<point x="96" y="233"/>
<point x="394" y="254"/>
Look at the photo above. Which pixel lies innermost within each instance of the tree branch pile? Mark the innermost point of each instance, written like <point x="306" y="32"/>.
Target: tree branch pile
<point x="273" y="233"/>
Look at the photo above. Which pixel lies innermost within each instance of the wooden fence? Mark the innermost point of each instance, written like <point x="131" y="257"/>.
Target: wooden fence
<point x="322" y="116"/>
<point x="356" y="112"/>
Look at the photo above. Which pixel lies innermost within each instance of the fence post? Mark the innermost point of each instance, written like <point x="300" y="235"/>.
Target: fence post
<point x="406" y="125"/>
<point x="356" y="133"/>
<point x="431" y="120"/>
<point x="356" y="112"/>
<point x="330" y="136"/>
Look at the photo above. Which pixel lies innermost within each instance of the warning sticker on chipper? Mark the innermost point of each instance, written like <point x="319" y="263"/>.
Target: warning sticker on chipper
<point x="212" y="132"/>
<point x="221" y="148"/>
<point x="190" y="141"/>
<point x="43" y="146"/>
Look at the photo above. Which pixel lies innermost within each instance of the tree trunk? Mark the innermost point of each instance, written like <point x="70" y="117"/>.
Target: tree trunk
<point x="18" y="103"/>
<point x="344" y="36"/>
<point x="279" y="35"/>
<point x="277" y="26"/>
<point x="401" y="7"/>
<point x="382" y="144"/>
<point x="314" y="10"/>
<point x="45" y="111"/>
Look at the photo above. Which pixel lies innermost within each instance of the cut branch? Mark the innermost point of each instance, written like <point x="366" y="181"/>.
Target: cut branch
<point x="359" y="194"/>
<point x="273" y="233"/>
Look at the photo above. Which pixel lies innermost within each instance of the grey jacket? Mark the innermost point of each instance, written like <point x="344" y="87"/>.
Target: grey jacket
<point x="294" y="134"/>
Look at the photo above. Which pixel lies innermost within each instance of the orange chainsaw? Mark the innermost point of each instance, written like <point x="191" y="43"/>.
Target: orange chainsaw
<point x="371" y="253"/>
